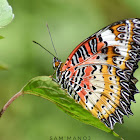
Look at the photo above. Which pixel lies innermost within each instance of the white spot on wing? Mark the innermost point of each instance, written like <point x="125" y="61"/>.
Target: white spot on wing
<point x="106" y="33"/>
<point x="89" y="104"/>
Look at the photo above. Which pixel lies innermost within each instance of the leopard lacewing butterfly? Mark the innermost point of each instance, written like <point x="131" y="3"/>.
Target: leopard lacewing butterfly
<point x="98" y="74"/>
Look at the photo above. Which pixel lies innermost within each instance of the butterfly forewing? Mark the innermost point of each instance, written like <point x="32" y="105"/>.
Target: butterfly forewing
<point x="98" y="74"/>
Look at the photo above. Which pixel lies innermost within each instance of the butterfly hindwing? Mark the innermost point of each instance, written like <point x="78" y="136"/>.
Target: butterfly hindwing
<point x="98" y="74"/>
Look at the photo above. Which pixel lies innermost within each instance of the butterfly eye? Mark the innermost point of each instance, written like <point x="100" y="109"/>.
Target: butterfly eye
<point x="57" y="64"/>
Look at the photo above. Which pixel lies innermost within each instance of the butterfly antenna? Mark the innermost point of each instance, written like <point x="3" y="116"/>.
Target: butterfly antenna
<point x="44" y="48"/>
<point x="51" y="39"/>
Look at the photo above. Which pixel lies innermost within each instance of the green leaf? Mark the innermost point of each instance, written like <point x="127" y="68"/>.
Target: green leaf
<point x="44" y="87"/>
<point x="6" y="14"/>
<point x="6" y="17"/>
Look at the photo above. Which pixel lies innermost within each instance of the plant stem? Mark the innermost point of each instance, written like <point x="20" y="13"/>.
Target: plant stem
<point x="9" y="102"/>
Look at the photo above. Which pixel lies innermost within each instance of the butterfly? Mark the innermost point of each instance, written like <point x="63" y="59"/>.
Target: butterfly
<point x="98" y="74"/>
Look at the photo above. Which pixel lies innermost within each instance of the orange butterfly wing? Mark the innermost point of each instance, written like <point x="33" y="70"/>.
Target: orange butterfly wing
<point x="98" y="74"/>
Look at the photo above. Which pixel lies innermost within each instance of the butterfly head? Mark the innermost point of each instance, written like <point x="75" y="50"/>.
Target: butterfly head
<point x="57" y="64"/>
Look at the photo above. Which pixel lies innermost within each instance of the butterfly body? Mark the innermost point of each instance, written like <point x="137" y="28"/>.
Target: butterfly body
<point x="98" y="74"/>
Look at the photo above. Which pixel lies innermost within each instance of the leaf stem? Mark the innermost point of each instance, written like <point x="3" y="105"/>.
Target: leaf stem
<point x="9" y="102"/>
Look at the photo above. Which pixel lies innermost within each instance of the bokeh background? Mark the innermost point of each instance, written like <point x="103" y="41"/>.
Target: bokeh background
<point x="70" y="22"/>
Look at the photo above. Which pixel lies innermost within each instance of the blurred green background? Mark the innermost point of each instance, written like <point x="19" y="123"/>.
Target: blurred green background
<point x="70" y="22"/>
